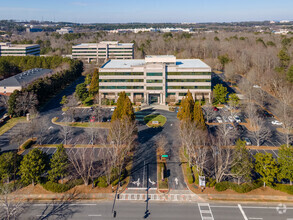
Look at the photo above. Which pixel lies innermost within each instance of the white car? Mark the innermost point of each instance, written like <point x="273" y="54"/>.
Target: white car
<point x="231" y="119"/>
<point x="219" y="119"/>
<point x="230" y="127"/>
<point x="113" y="109"/>
<point x="237" y="118"/>
<point x="247" y="141"/>
<point x="276" y="122"/>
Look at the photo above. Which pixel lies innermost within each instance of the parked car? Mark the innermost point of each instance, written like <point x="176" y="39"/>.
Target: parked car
<point x="247" y="141"/>
<point x="216" y="109"/>
<point x="237" y="118"/>
<point x="230" y="127"/>
<point x="231" y="119"/>
<point x="219" y="119"/>
<point x="113" y="109"/>
<point x="276" y="122"/>
<point x="239" y="128"/>
<point x="225" y="119"/>
<point x="93" y="118"/>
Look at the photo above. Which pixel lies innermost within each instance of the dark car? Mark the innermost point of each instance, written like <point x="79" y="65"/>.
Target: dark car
<point x="216" y="109"/>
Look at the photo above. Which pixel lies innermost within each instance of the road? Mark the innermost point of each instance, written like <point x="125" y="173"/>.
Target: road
<point x="145" y="154"/>
<point x="158" y="210"/>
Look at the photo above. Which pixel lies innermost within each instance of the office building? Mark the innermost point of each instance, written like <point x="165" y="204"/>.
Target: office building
<point x="65" y="30"/>
<point x="8" y="49"/>
<point x="21" y="80"/>
<point x="155" y="79"/>
<point x="94" y="52"/>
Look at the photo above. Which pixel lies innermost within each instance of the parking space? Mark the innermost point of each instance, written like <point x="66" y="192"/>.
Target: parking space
<point x="255" y="151"/>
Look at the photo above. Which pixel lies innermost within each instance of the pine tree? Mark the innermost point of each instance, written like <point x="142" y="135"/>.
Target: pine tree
<point x="267" y="167"/>
<point x="58" y="164"/>
<point x="285" y="160"/>
<point x="220" y="93"/>
<point x="186" y="108"/>
<point x="9" y="164"/>
<point x="242" y="163"/>
<point x="198" y="116"/>
<point x="94" y="86"/>
<point x="124" y="108"/>
<point x="32" y="166"/>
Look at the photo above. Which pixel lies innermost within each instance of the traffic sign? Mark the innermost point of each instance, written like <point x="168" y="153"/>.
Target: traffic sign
<point x="164" y="155"/>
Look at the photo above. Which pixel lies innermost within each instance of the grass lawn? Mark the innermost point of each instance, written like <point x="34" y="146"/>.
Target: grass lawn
<point x="11" y="123"/>
<point x="159" y="118"/>
<point x="162" y="184"/>
<point x="82" y="124"/>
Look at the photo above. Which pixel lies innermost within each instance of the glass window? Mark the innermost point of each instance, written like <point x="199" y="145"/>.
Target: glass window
<point x="154" y="81"/>
<point x="189" y="73"/>
<point x="154" y="88"/>
<point x="154" y="74"/>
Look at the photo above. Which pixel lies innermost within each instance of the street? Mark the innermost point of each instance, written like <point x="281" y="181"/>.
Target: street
<point x="129" y="210"/>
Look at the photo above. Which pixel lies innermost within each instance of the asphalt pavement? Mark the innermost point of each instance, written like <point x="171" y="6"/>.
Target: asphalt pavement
<point x="128" y="210"/>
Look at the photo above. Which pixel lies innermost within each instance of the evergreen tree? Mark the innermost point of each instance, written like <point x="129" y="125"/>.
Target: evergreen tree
<point x="233" y="100"/>
<point x="64" y="100"/>
<point x="224" y="59"/>
<point x="94" y="86"/>
<point x="290" y="74"/>
<point x="285" y="160"/>
<point x="32" y="166"/>
<point x="186" y="110"/>
<point x="267" y="167"/>
<point x="81" y="91"/>
<point x="124" y="108"/>
<point x="242" y="162"/>
<point x="220" y="93"/>
<point x="284" y="58"/>
<point x="9" y="164"/>
<point x="198" y="116"/>
<point x="58" y="164"/>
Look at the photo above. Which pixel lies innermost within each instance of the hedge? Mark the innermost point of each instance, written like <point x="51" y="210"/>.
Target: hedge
<point x="243" y="188"/>
<point x="27" y="144"/>
<point x="190" y="177"/>
<point x="284" y="188"/>
<point x="59" y="188"/>
<point x="101" y="182"/>
<point x="195" y="174"/>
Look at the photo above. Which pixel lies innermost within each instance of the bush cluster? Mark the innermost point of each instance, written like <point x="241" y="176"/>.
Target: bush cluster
<point x="243" y="188"/>
<point x="190" y="177"/>
<point x="59" y="188"/>
<point x="101" y="182"/>
<point x="284" y="188"/>
<point x="27" y="144"/>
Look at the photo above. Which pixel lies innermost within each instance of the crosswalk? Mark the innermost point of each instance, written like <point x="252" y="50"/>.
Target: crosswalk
<point x="159" y="197"/>
<point x="205" y="211"/>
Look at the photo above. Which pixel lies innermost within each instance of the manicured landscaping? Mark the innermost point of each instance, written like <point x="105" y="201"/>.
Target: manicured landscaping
<point x="82" y="124"/>
<point x="149" y="119"/>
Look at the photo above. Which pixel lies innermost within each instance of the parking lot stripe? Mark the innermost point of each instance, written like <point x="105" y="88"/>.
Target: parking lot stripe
<point x="242" y="212"/>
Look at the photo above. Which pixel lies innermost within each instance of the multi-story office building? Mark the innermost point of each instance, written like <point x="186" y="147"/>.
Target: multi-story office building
<point x="21" y="80"/>
<point x="156" y="79"/>
<point x="8" y="49"/>
<point x="102" y="51"/>
<point x="65" y="30"/>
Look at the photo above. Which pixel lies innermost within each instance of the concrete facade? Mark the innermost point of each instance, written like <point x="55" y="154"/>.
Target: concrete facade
<point x="103" y="51"/>
<point x="155" y="80"/>
<point x="8" y="49"/>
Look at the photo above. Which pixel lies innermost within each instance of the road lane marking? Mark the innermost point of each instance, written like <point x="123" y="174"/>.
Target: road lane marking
<point x="74" y="204"/>
<point x="206" y="214"/>
<point x="94" y="215"/>
<point x="255" y="218"/>
<point x="242" y="212"/>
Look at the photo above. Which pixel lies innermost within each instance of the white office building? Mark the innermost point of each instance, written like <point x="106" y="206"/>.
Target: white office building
<point x="155" y="79"/>
<point x="8" y="49"/>
<point x="93" y="52"/>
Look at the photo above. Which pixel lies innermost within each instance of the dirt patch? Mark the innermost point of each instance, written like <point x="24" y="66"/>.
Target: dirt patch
<point x="248" y="125"/>
<point x="30" y="189"/>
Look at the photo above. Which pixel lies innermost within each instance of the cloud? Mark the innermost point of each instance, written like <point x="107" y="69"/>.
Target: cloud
<point x="79" y="3"/>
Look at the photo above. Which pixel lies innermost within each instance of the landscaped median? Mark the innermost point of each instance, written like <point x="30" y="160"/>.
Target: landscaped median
<point x="155" y="120"/>
<point x="11" y="123"/>
<point x="105" y="125"/>
<point x="162" y="178"/>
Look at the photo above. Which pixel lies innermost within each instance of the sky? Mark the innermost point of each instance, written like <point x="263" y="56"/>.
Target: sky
<point x="150" y="11"/>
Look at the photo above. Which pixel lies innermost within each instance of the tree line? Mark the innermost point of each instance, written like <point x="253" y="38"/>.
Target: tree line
<point x="39" y="91"/>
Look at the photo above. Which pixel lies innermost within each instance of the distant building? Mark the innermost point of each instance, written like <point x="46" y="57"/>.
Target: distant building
<point x="33" y="29"/>
<point x="21" y="80"/>
<point x="65" y="30"/>
<point x="155" y="79"/>
<point x="281" y="31"/>
<point x="8" y="49"/>
<point x="102" y="51"/>
<point x="284" y="21"/>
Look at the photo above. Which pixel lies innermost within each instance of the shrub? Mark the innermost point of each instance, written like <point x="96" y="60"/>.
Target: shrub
<point x="190" y="177"/>
<point x="88" y="101"/>
<point x="222" y="186"/>
<point x="59" y="188"/>
<point x="102" y="182"/>
<point x="284" y="188"/>
<point x="195" y="174"/>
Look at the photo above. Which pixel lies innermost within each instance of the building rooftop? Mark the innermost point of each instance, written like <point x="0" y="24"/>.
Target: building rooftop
<point x="181" y="63"/>
<point x="17" y="45"/>
<point x="23" y="78"/>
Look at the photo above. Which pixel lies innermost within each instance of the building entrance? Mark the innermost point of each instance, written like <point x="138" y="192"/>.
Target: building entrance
<point x="154" y="99"/>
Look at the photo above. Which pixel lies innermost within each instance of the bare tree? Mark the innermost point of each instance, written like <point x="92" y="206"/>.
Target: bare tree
<point x="13" y="204"/>
<point x="41" y="129"/>
<point x="66" y="132"/>
<point x="122" y="136"/>
<point x="260" y="131"/>
<point x="92" y="132"/>
<point x="4" y="101"/>
<point x="82" y="160"/>
<point x="209" y="111"/>
<point x="20" y="134"/>
<point x="26" y="102"/>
